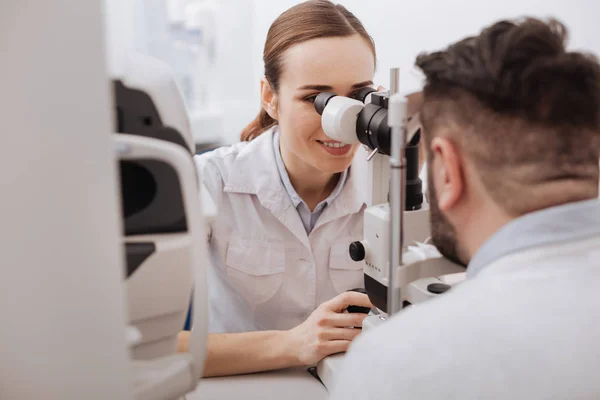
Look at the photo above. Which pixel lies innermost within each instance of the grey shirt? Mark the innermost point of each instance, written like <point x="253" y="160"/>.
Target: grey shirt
<point x="309" y="218"/>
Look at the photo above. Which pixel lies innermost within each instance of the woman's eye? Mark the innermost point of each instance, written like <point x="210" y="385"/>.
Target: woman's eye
<point x="311" y="99"/>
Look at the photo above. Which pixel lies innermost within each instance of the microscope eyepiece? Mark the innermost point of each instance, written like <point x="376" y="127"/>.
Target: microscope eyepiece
<point x="322" y="100"/>
<point x="364" y="119"/>
<point x="362" y="94"/>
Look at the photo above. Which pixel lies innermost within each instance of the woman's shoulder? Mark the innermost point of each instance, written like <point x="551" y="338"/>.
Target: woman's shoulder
<point x="223" y="159"/>
<point x="213" y="169"/>
<point x="219" y="156"/>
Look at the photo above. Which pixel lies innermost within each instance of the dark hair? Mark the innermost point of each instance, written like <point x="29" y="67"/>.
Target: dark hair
<point x="528" y="110"/>
<point x="305" y="21"/>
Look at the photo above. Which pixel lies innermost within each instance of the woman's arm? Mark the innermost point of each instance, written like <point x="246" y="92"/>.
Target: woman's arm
<point x="243" y="353"/>
<point x="325" y="332"/>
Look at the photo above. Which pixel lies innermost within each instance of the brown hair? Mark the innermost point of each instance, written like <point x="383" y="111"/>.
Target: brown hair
<point x="309" y="20"/>
<point x="528" y="112"/>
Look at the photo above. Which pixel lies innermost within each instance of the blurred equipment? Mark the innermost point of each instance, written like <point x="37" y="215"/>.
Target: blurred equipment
<point x="103" y="233"/>
<point x="62" y="334"/>
<point x="164" y="234"/>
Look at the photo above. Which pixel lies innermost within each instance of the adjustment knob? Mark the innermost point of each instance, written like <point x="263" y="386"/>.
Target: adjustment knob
<point x="438" y="288"/>
<point x="358" y="309"/>
<point x="357" y="251"/>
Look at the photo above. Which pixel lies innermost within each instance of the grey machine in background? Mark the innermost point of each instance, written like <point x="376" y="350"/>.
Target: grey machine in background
<point x="163" y="229"/>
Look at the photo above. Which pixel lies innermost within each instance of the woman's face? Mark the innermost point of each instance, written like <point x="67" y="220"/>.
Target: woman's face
<point x="339" y="65"/>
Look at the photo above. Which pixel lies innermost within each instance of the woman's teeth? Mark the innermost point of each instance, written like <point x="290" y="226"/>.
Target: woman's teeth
<point x="334" y="145"/>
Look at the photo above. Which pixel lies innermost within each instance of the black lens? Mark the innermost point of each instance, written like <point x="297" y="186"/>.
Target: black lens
<point x="362" y="94"/>
<point x="414" y="185"/>
<point x="322" y="100"/>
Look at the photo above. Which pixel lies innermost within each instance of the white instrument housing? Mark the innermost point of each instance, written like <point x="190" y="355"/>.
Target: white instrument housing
<point x="339" y="119"/>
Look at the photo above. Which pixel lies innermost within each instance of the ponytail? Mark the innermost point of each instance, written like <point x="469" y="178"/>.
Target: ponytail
<point x="260" y="124"/>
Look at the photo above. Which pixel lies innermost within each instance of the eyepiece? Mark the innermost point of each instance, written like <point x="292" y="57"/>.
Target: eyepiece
<point x="362" y="94"/>
<point x="322" y="100"/>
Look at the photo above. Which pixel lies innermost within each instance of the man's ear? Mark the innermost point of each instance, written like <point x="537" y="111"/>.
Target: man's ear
<point x="268" y="98"/>
<point x="448" y="176"/>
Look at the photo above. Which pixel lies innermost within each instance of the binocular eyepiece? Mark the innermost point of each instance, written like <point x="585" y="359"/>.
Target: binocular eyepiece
<point x="324" y="97"/>
<point x="364" y="119"/>
<point x="367" y="110"/>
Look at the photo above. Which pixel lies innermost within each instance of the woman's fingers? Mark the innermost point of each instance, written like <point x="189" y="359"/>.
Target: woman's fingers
<point x="339" y="320"/>
<point x="334" y="334"/>
<point x="334" y="347"/>
<point x="342" y="301"/>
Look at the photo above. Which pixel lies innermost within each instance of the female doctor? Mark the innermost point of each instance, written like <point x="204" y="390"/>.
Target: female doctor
<point x="289" y="205"/>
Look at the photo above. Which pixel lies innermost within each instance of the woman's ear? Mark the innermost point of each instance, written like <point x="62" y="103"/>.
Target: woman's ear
<point x="268" y="98"/>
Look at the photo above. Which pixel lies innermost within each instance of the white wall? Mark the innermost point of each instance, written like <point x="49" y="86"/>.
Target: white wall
<point x="236" y="78"/>
<point x="265" y="12"/>
<point x="232" y="81"/>
<point x="403" y="29"/>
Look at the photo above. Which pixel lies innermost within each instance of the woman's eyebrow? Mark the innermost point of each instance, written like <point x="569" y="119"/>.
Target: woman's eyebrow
<point x="362" y="84"/>
<point x="323" y="88"/>
<point x="315" y="87"/>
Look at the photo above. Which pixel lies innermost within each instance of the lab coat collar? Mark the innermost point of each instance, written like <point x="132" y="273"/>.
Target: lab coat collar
<point x="255" y="172"/>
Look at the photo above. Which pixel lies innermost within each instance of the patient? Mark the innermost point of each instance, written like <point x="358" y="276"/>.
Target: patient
<point x="511" y="125"/>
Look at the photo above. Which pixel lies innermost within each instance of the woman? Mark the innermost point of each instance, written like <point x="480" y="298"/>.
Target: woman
<point x="288" y="205"/>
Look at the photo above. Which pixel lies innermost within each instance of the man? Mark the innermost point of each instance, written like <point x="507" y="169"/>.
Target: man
<point x="511" y="124"/>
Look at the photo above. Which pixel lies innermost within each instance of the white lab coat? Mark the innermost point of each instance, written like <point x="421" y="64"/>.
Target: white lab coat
<point x="267" y="273"/>
<point x="525" y="328"/>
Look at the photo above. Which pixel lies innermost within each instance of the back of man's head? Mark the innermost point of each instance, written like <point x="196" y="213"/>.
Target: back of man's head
<point x="523" y="109"/>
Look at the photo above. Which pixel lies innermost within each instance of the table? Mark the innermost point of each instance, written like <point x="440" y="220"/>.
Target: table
<point x="288" y="384"/>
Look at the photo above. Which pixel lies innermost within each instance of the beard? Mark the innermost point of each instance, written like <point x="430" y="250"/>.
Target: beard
<point x="443" y="233"/>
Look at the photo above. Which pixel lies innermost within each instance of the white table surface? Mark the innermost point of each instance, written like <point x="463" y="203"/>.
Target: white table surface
<point x="289" y="384"/>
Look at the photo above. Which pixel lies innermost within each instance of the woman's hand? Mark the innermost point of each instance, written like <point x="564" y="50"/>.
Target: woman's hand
<point x="328" y="330"/>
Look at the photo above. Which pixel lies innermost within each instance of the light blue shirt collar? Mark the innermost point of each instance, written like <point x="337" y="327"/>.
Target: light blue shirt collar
<point x="296" y="199"/>
<point x="564" y="223"/>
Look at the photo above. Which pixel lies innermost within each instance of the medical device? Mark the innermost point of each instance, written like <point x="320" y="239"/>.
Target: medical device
<point x="364" y="119"/>
<point x="104" y="222"/>
<point x="397" y="216"/>
<point x="164" y="236"/>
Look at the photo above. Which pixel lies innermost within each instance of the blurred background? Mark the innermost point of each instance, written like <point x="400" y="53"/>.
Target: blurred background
<point x="215" y="46"/>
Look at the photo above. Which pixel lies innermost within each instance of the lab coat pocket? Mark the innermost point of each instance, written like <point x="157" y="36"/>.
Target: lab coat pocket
<point x="344" y="272"/>
<point x="255" y="270"/>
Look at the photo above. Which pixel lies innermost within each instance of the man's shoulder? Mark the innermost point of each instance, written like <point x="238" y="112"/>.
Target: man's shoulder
<point x="419" y="327"/>
<point x="429" y="341"/>
<point x="439" y="329"/>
